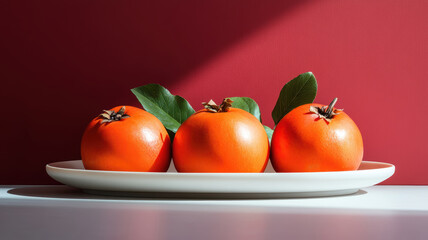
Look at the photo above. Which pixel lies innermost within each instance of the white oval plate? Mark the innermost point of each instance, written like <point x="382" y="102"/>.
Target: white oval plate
<point x="219" y="185"/>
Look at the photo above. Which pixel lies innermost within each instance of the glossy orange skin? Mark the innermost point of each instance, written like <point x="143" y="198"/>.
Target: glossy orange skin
<point x="232" y="141"/>
<point x="138" y="143"/>
<point x="302" y="142"/>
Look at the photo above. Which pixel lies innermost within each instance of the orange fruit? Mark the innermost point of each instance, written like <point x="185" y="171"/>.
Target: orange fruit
<point x="310" y="139"/>
<point x="126" y="139"/>
<point x="225" y="139"/>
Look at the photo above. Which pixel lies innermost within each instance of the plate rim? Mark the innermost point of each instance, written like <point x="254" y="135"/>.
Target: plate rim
<point x="49" y="166"/>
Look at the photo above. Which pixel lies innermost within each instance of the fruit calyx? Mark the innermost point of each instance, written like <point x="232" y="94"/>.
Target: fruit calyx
<point x="326" y="112"/>
<point x="213" y="107"/>
<point x="109" y="116"/>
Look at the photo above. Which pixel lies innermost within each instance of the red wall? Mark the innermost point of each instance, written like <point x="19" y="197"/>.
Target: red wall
<point x="61" y="62"/>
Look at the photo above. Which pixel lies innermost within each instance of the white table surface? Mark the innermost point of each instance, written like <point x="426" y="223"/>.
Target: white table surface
<point x="60" y="212"/>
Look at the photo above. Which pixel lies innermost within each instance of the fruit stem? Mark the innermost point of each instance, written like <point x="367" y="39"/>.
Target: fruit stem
<point x="109" y="116"/>
<point x="326" y="112"/>
<point x="329" y="110"/>
<point x="213" y="107"/>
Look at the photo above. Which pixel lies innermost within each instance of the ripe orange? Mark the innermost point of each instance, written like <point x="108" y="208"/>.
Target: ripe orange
<point x="221" y="139"/>
<point x="310" y="139"/>
<point x="132" y="140"/>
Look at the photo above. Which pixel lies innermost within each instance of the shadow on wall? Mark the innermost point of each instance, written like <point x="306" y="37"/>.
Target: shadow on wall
<point x="62" y="62"/>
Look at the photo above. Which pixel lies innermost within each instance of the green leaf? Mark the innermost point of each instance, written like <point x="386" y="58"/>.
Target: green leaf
<point x="171" y="110"/>
<point x="269" y="132"/>
<point x="301" y="90"/>
<point x="247" y="104"/>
